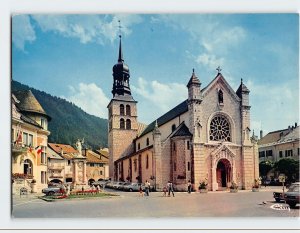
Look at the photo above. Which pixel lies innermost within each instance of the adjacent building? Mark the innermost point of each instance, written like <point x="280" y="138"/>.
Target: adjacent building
<point x="204" y="138"/>
<point x="280" y="144"/>
<point x="29" y="142"/>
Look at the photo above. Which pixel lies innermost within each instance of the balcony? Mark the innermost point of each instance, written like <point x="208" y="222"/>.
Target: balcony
<point x="57" y="167"/>
<point x="18" y="149"/>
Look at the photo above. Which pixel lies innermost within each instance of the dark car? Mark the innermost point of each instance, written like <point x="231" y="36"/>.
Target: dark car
<point x="292" y="196"/>
<point x="278" y="196"/>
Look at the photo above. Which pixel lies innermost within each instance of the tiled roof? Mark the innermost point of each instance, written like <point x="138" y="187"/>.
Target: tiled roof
<point x="182" y="130"/>
<point x="28" y="102"/>
<point x="178" y="110"/>
<point x="91" y="157"/>
<point x="280" y="136"/>
<point x="68" y="151"/>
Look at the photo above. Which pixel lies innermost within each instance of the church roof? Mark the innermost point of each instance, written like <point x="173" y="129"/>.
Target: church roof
<point x="28" y="103"/>
<point x="182" y="130"/>
<point x="176" y="111"/>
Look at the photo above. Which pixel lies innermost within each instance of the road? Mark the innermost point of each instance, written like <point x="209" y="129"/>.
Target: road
<point x="213" y="204"/>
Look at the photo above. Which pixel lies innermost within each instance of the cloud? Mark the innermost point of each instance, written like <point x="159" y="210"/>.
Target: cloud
<point x="22" y="31"/>
<point x="87" y="28"/>
<point x="160" y="96"/>
<point x="90" y="98"/>
<point x="210" y="60"/>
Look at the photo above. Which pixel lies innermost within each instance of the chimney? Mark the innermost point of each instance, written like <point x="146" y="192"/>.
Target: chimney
<point x="261" y="134"/>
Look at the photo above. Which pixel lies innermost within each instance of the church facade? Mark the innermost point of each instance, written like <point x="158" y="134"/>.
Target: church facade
<point x="204" y="138"/>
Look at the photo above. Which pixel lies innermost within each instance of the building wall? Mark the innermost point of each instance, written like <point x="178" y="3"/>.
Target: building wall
<point x="96" y="172"/>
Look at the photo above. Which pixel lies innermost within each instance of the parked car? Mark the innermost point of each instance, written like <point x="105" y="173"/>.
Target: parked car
<point x="292" y="196"/>
<point x="51" y="190"/>
<point x="118" y="185"/>
<point x="278" y="196"/>
<point x="133" y="187"/>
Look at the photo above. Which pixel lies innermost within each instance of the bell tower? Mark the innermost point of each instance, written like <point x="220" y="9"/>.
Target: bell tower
<point x="122" y="114"/>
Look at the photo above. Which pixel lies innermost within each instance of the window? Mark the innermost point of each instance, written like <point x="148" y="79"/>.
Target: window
<point x="122" y="123"/>
<point x="30" y="140"/>
<point x="128" y="124"/>
<point x="288" y="153"/>
<point x="269" y="153"/>
<point x="43" y="155"/>
<point x="147" y="162"/>
<point x="173" y="127"/>
<point x="220" y="96"/>
<point x="261" y="154"/>
<point x="189" y="166"/>
<point x="174" y="166"/>
<point x="101" y="173"/>
<point x="43" y="177"/>
<point x="92" y="164"/>
<point x="139" y="146"/>
<point x="219" y="129"/>
<point x="110" y="124"/>
<point x="25" y="139"/>
<point x="69" y="162"/>
<point x="188" y="145"/>
<point x="147" y="141"/>
<point x="109" y="112"/>
<point x="280" y="154"/>
<point x="174" y="146"/>
<point x="43" y="123"/>
<point x="122" y="110"/>
<point x="128" y="113"/>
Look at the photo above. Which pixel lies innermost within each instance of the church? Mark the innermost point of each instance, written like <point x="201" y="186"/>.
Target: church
<point x="205" y="138"/>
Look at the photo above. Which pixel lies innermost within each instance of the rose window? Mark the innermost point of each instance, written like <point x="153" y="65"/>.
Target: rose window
<point x="219" y="129"/>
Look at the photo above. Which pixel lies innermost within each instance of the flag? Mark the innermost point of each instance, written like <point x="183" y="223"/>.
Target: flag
<point x="39" y="151"/>
<point x="19" y="137"/>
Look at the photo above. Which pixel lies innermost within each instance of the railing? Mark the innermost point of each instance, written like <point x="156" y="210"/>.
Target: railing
<point x="22" y="176"/>
<point x="18" y="148"/>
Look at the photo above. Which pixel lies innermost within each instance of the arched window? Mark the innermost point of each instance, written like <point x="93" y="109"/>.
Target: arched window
<point x="122" y="123"/>
<point x="27" y="167"/>
<point x="147" y="141"/>
<point x="128" y="124"/>
<point x="147" y="162"/>
<point x="219" y="129"/>
<point x="121" y="109"/>
<point x="173" y="127"/>
<point x="128" y="113"/>
<point x="139" y="146"/>
<point x="220" y="96"/>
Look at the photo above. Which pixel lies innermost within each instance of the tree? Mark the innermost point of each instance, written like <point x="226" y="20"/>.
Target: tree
<point x="289" y="167"/>
<point x="265" y="167"/>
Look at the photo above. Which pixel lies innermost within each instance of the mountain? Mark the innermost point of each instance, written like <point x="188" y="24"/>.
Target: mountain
<point x="69" y="122"/>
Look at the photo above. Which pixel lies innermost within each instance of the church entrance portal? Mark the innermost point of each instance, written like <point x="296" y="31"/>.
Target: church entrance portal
<point x="223" y="174"/>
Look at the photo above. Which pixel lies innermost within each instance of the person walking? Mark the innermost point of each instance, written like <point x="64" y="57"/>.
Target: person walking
<point x="170" y="188"/>
<point x="147" y="188"/>
<point x="189" y="186"/>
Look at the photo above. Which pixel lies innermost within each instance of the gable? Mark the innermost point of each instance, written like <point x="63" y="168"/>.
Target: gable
<point x="220" y="80"/>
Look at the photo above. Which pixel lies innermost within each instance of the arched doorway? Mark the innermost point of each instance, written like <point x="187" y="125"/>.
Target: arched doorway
<point x="27" y="167"/>
<point x="57" y="181"/>
<point x="91" y="181"/>
<point x="224" y="173"/>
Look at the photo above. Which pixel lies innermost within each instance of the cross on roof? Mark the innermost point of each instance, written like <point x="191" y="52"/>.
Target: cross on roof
<point x="119" y="28"/>
<point x="219" y="69"/>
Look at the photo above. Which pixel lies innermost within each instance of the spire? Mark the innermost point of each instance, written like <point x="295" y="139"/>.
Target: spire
<point x="194" y="79"/>
<point x="120" y="59"/>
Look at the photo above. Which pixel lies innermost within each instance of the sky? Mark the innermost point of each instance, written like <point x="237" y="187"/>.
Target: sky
<point x="71" y="56"/>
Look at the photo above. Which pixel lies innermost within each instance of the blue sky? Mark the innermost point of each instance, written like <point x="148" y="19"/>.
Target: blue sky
<point x="72" y="56"/>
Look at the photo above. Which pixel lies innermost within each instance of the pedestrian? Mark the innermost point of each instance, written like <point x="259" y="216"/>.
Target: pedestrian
<point x="165" y="191"/>
<point x="189" y="186"/>
<point x="147" y="188"/>
<point x="141" y="191"/>
<point x="170" y="188"/>
<point x="259" y="182"/>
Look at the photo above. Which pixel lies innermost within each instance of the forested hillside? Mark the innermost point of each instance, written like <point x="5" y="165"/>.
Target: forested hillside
<point x="69" y="122"/>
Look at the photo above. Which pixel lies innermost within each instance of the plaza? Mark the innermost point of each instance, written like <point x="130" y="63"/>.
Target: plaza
<point x="130" y="205"/>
